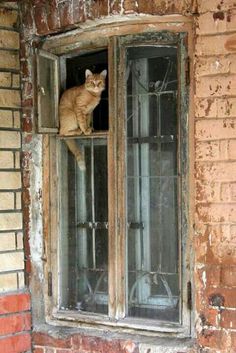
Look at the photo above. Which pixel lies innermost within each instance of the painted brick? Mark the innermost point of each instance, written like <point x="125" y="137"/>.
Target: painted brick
<point x="9" y="39"/>
<point x="225" y="192"/>
<point x="7" y="241"/>
<point x="15" y="323"/>
<point x="10" y="139"/>
<point x="12" y="261"/>
<point x="207" y="151"/>
<point x="10" y="221"/>
<point x="215" y="45"/>
<point x="21" y="280"/>
<point x="10" y="180"/>
<point x="216" y="171"/>
<point x="207" y="191"/>
<point x="6" y="160"/>
<point x="216" y="213"/>
<point x="8" y="17"/>
<point x="215" y="5"/>
<point x="216" y="86"/>
<point x="232" y="149"/>
<point x="13" y="303"/>
<point x="10" y="98"/>
<point x="219" y="65"/>
<point x="215" y="129"/>
<point x="6" y="118"/>
<point x="16" y="344"/>
<point x="216" y="22"/>
<point x="8" y="282"/>
<point x="215" y="107"/>
<point x="16" y="118"/>
<point x="5" y="79"/>
<point x="9" y="60"/>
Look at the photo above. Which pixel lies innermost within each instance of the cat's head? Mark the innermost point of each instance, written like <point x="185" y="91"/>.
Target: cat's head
<point x="95" y="83"/>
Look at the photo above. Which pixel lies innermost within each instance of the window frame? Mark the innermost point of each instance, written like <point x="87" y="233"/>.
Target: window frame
<point x="117" y="218"/>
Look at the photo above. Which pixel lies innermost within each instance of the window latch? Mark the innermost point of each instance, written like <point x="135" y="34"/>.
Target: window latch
<point x="49" y="284"/>
<point x="189" y="295"/>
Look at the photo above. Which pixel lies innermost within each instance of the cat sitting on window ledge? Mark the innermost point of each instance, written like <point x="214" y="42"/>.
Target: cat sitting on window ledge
<point x="76" y="107"/>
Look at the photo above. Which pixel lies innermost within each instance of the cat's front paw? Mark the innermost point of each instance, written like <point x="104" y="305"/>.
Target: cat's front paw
<point x="88" y="131"/>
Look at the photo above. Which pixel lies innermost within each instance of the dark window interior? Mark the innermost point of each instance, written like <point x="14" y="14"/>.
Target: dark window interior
<point x="75" y="68"/>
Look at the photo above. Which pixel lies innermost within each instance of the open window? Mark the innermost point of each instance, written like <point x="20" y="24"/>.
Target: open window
<point x="123" y="220"/>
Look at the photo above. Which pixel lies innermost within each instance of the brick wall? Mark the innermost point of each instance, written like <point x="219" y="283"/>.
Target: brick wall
<point x="215" y="112"/>
<point x="14" y="302"/>
<point x="214" y="157"/>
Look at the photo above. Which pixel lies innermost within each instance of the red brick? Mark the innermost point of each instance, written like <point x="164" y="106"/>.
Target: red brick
<point x="213" y="339"/>
<point x="228" y="319"/>
<point x="38" y="350"/>
<point x="230" y="296"/>
<point x="40" y="17"/>
<point x="209" y="317"/>
<point x="99" y="8"/>
<point x="65" y="13"/>
<point x="15" y="323"/>
<point x="14" y="303"/>
<point x="43" y="339"/>
<point x="228" y="276"/>
<point x="157" y="7"/>
<point x="16" y="344"/>
<point x="53" y="15"/>
<point x="130" y="6"/>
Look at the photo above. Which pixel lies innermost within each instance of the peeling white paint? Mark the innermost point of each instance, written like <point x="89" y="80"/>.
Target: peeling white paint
<point x="204" y="280"/>
<point x="36" y="222"/>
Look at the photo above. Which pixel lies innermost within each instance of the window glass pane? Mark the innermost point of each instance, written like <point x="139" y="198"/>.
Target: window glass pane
<point x="47" y="92"/>
<point x="84" y="223"/>
<point x="152" y="183"/>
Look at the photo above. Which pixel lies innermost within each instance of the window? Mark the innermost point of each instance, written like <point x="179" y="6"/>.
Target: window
<point x="121" y="224"/>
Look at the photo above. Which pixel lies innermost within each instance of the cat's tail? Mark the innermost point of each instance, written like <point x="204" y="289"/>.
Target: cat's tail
<point x="74" y="148"/>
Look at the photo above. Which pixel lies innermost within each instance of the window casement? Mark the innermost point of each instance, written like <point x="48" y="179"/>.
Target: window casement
<point x="117" y="231"/>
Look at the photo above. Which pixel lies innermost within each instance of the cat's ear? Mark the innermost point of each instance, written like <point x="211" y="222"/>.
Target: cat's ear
<point x="88" y="73"/>
<point x="104" y="73"/>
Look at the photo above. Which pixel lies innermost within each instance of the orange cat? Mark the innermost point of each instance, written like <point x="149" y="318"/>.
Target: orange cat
<point x="76" y="107"/>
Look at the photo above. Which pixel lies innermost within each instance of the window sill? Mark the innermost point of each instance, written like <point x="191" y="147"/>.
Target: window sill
<point x="132" y="326"/>
<point x="151" y="344"/>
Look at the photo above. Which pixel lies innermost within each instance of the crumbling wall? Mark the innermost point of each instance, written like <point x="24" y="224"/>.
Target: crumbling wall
<point x="214" y="110"/>
<point x="15" y="316"/>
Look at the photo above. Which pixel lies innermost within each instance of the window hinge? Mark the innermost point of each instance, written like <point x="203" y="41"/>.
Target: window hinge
<point x="189" y="295"/>
<point x="187" y="71"/>
<point x="49" y="284"/>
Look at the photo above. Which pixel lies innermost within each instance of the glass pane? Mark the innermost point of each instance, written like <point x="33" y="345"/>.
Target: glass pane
<point x="47" y="91"/>
<point x="152" y="182"/>
<point x="84" y="224"/>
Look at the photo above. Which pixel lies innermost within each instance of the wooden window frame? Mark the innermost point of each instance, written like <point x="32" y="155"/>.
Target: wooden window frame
<point x="117" y="219"/>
